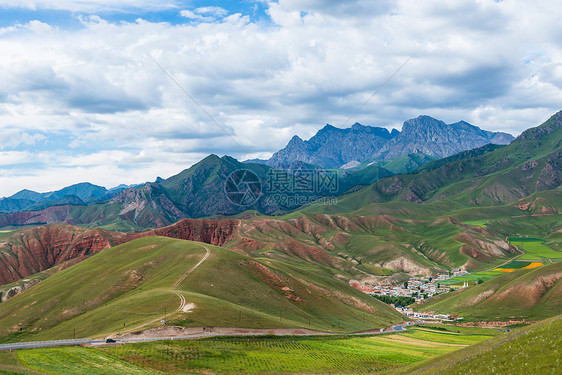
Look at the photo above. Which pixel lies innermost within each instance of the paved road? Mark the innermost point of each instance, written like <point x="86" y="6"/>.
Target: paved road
<point x="43" y="344"/>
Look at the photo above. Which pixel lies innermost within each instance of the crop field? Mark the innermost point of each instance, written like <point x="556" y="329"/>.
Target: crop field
<point x="536" y="254"/>
<point x="76" y="360"/>
<point x="338" y="354"/>
<point x="478" y="223"/>
<point x="535" y="249"/>
<point x="515" y="265"/>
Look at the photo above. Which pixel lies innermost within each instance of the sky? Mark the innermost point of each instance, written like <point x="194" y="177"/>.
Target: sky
<point x="124" y="91"/>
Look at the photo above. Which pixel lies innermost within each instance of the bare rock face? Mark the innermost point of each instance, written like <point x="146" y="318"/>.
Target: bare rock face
<point x="429" y="136"/>
<point x="333" y="147"/>
<point x="214" y="232"/>
<point x="36" y="249"/>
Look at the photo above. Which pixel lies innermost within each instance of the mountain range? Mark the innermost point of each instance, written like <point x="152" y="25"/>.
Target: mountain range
<point x="78" y="194"/>
<point x="333" y="147"/>
<point x="200" y="191"/>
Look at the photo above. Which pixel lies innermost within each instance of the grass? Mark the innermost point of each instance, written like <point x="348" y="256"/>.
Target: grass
<point x="289" y="355"/>
<point x="535" y="249"/>
<point x="534" y="349"/>
<point x="76" y="361"/>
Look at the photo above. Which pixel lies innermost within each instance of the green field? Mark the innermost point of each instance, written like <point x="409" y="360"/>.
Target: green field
<point x="535" y="249"/>
<point x="534" y="349"/>
<point x="338" y="354"/>
<point x="478" y="223"/>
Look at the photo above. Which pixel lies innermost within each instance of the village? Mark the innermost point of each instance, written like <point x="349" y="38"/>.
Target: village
<point x="420" y="288"/>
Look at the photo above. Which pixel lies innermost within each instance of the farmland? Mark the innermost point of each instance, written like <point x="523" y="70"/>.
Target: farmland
<point x="535" y="249"/>
<point x="338" y="354"/>
<point x="536" y="254"/>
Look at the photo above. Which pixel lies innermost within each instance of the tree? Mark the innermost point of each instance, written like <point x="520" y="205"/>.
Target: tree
<point x="438" y="285"/>
<point x="406" y="285"/>
<point x="480" y="281"/>
<point x="430" y="279"/>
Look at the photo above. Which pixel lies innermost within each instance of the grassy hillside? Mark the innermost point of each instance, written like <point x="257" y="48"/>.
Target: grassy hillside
<point x="348" y="242"/>
<point x="535" y="349"/>
<point x="407" y="163"/>
<point x="139" y="282"/>
<point x="530" y="294"/>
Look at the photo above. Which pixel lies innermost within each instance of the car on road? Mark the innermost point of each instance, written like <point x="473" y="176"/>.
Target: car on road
<point x="109" y="341"/>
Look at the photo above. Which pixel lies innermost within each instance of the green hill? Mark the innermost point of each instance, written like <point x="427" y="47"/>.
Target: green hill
<point x="529" y="294"/>
<point x="534" y="349"/>
<point x="407" y="163"/>
<point x="140" y="282"/>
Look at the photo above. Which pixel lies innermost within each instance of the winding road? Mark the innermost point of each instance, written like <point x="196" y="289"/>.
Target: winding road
<point x="178" y="293"/>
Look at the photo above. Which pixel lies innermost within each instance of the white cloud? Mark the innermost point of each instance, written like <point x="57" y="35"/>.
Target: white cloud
<point x="12" y="138"/>
<point x="205" y="14"/>
<point x="90" y="5"/>
<point x="101" y="102"/>
<point x="15" y="157"/>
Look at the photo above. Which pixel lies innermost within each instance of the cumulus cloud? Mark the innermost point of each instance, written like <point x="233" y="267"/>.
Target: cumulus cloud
<point x="100" y="102"/>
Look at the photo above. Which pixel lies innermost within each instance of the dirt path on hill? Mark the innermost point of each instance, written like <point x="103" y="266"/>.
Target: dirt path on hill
<point x="183" y="304"/>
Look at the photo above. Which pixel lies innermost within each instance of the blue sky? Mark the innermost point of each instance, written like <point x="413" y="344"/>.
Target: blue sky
<point x="81" y="98"/>
<point x="66" y="17"/>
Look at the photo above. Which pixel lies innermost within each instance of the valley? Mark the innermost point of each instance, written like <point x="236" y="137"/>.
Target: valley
<point x="475" y="236"/>
<point x="263" y="187"/>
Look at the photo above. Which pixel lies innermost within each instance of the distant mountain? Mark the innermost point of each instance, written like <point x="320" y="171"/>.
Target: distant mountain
<point x="216" y="186"/>
<point x="333" y="147"/>
<point x="86" y="191"/>
<point x="78" y="194"/>
<point x="66" y="200"/>
<point x="14" y="205"/>
<point x="429" y="136"/>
